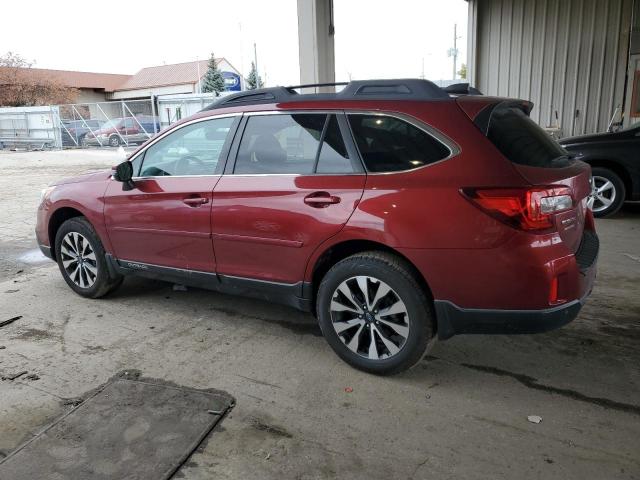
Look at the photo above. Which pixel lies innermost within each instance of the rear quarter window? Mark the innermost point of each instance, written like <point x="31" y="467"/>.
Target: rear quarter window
<point x="522" y="141"/>
<point x="389" y="144"/>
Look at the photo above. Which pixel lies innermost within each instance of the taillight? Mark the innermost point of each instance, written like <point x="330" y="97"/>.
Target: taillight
<point x="530" y="209"/>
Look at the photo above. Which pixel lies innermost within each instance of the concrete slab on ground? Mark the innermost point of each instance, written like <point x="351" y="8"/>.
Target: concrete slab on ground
<point x="132" y="427"/>
<point x="461" y="413"/>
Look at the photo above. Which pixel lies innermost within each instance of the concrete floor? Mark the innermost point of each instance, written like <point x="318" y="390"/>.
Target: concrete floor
<point x="460" y="414"/>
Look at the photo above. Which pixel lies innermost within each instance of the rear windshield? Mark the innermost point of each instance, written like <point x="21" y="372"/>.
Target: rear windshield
<point x="522" y="141"/>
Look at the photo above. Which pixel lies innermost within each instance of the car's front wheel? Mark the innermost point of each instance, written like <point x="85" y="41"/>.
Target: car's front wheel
<point x="608" y="192"/>
<point x="81" y="259"/>
<point x="374" y="314"/>
<point x="114" y="141"/>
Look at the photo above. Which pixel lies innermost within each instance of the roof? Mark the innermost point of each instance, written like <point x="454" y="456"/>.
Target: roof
<point x="107" y="81"/>
<point x="164" y="75"/>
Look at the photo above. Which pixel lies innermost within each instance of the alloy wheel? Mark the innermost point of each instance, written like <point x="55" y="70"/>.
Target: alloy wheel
<point x="603" y="194"/>
<point x="79" y="259"/>
<point x="369" y="317"/>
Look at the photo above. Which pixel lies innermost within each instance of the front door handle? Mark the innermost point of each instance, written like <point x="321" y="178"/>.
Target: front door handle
<point x="195" y="201"/>
<point x="321" y="199"/>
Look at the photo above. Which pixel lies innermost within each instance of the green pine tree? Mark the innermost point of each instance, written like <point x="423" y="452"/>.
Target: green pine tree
<point x="213" y="80"/>
<point x="463" y="71"/>
<point x="253" y="80"/>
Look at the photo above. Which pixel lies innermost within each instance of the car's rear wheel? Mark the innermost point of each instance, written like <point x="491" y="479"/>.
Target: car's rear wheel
<point x="374" y="314"/>
<point x="81" y="259"/>
<point x="608" y="192"/>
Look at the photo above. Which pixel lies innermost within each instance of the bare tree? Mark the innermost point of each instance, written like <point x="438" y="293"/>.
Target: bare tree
<point x="20" y="85"/>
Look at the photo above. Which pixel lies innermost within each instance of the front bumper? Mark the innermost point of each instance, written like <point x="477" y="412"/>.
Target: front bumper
<point x="46" y="251"/>
<point x="94" y="141"/>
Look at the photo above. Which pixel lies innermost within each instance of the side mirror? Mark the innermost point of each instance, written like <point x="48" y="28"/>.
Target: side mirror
<point x="124" y="174"/>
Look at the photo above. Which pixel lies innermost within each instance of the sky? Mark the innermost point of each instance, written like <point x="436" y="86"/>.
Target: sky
<point x="373" y="39"/>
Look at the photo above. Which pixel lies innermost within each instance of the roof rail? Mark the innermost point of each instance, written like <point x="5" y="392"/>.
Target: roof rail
<point x="312" y="85"/>
<point x="462" y="89"/>
<point x="401" y="89"/>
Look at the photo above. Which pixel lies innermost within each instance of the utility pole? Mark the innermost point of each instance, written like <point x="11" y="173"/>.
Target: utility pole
<point x="453" y="52"/>
<point x="255" y="56"/>
<point x="455" y="49"/>
<point x="198" y="81"/>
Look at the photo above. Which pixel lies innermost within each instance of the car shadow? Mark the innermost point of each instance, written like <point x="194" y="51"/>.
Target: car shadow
<point x="629" y="209"/>
<point x="237" y="308"/>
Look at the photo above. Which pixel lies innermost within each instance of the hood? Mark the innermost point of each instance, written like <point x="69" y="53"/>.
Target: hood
<point x="86" y="177"/>
<point x="597" y="137"/>
<point x="101" y="131"/>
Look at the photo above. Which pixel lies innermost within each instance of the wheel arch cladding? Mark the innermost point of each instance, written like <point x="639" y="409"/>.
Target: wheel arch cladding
<point x="56" y="220"/>
<point x="339" y="251"/>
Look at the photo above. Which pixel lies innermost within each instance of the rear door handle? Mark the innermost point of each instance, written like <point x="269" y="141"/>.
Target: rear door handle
<point x="195" y="201"/>
<point x="321" y="199"/>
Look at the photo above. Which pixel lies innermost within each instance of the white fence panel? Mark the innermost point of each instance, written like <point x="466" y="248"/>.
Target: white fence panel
<point x="30" y="127"/>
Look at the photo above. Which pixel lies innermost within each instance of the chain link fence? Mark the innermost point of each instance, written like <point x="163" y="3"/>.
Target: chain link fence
<point x="106" y="123"/>
<point x="102" y="124"/>
<point x="79" y="125"/>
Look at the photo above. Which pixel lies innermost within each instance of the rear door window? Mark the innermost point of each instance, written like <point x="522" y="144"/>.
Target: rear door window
<point x="522" y="141"/>
<point x="292" y="144"/>
<point x="389" y="144"/>
<point x="333" y="153"/>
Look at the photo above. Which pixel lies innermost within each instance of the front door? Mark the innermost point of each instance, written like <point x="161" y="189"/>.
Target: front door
<point x="294" y="184"/>
<point x="165" y="220"/>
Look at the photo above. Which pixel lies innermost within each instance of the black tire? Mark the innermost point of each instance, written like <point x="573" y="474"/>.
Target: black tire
<point x="398" y="276"/>
<point x="102" y="283"/>
<point x="619" y="192"/>
<point x="114" y="141"/>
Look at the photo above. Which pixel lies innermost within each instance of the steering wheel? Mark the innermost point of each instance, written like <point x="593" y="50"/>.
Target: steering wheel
<point x="185" y="163"/>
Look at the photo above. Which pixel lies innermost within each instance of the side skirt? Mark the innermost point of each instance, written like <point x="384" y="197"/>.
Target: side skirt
<point x="296" y="295"/>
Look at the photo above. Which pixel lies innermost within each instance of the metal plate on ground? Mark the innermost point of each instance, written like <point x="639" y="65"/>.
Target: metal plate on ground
<point x="132" y="428"/>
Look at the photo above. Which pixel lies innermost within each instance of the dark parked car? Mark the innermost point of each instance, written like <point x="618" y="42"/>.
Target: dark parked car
<point x="394" y="212"/>
<point x="73" y="131"/>
<point x="615" y="162"/>
<point x="124" y="131"/>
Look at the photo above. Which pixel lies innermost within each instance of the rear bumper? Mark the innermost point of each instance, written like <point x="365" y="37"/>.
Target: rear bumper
<point x="454" y="320"/>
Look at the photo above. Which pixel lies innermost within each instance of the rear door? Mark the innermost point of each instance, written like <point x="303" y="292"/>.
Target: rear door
<point x="294" y="183"/>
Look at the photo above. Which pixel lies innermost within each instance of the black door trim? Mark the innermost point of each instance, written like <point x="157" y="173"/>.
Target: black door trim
<point x="297" y="295"/>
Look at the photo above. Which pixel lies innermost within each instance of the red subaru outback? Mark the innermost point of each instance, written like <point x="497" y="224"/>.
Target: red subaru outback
<point x="394" y="211"/>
